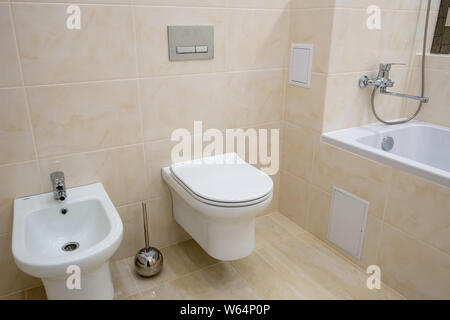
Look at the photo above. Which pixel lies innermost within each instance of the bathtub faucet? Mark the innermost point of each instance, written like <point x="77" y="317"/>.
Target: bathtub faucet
<point x="383" y="82"/>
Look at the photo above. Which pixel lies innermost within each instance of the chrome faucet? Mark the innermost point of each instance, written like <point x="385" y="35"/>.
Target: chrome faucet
<point x="59" y="185"/>
<point x="383" y="82"/>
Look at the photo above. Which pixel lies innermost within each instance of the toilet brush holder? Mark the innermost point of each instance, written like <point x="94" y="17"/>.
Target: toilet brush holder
<point x="149" y="260"/>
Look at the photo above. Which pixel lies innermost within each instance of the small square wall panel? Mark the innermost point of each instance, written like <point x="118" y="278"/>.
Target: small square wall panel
<point x="347" y="221"/>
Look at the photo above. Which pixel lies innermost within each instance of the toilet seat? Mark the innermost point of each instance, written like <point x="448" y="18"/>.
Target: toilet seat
<point x="223" y="180"/>
<point x="216" y="201"/>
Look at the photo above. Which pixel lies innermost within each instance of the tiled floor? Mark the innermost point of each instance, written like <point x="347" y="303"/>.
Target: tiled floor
<point x="288" y="263"/>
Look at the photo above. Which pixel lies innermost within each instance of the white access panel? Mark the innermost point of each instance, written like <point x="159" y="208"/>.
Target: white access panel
<point x="347" y="221"/>
<point x="301" y="65"/>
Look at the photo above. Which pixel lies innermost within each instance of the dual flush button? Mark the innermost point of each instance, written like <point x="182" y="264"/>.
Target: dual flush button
<point x="192" y="49"/>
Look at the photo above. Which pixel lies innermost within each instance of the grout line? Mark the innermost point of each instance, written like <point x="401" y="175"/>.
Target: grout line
<point x="386" y="201"/>
<point x="139" y="98"/>
<point x="20" y="291"/>
<point x="25" y="93"/>
<point x="134" y="203"/>
<point x="406" y="233"/>
<point x="18" y="163"/>
<point x="155" y="77"/>
<point x="414" y="237"/>
<point x="118" y="147"/>
<point x="107" y="4"/>
<point x="302" y="127"/>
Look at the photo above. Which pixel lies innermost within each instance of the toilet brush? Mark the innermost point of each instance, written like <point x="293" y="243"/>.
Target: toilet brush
<point x="148" y="261"/>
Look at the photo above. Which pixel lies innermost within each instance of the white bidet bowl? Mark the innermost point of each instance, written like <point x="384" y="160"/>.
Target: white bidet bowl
<point x="82" y="233"/>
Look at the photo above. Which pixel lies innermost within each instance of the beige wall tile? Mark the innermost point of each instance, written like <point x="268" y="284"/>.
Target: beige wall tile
<point x="352" y="38"/>
<point x="84" y="117"/>
<point x="348" y="106"/>
<point x="320" y="35"/>
<point x="411" y="267"/>
<point x="271" y="148"/>
<point x="420" y="208"/>
<point x="318" y="212"/>
<point x="172" y="103"/>
<point x="436" y="87"/>
<point x="9" y="63"/>
<point x="305" y="4"/>
<point x="298" y="150"/>
<point x="383" y="4"/>
<point x="51" y="53"/>
<point x="431" y="25"/>
<point x="294" y="198"/>
<point x="267" y="96"/>
<point x="121" y="171"/>
<point x="219" y="100"/>
<point x="183" y="3"/>
<point x="164" y="231"/>
<point x="81" y="1"/>
<point x="151" y="28"/>
<point x="257" y="39"/>
<point x="16" y="141"/>
<point x="268" y="4"/>
<point x="16" y="181"/>
<point x="11" y="278"/>
<point x="305" y="107"/>
<point x="433" y="61"/>
<point x="364" y="178"/>
<point x="273" y="206"/>
<point x="133" y="230"/>
<point x="158" y="155"/>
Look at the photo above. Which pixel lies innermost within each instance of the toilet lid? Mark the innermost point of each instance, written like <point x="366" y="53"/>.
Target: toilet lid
<point x="223" y="178"/>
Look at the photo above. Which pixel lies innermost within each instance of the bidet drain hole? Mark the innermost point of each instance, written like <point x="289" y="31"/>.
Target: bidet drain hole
<point x="70" y="246"/>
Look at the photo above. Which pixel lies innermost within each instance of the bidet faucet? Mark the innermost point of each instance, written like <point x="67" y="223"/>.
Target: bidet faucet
<point x="383" y="82"/>
<point x="59" y="185"/>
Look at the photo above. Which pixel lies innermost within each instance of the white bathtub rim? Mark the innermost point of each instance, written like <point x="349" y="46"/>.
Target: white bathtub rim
<point x="346" y="140"/>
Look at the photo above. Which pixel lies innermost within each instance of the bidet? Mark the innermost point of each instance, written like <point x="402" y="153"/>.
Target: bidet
<point x="68" y="243"/>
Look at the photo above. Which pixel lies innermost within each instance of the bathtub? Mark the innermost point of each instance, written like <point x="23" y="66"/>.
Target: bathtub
<point x="420" y="148"/>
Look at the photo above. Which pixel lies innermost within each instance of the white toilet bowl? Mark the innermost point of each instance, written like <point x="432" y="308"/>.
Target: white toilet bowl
<point x="216" y="200"/>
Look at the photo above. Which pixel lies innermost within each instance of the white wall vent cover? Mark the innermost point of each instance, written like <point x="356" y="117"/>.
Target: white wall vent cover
<point x="347" y="221"/>
<point x="301" y="65"/>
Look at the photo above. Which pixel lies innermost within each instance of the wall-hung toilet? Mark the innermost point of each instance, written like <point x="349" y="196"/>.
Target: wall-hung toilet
<point x="216" y="200"/>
